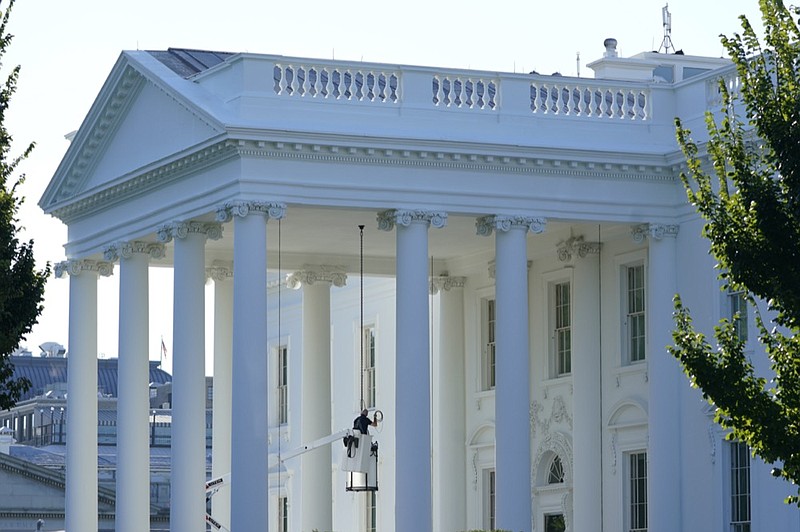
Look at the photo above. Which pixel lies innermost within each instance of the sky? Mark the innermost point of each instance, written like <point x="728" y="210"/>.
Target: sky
<point x="67" y="49"/>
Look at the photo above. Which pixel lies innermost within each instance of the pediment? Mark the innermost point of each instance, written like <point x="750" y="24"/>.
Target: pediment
<point x="136" y="120"/>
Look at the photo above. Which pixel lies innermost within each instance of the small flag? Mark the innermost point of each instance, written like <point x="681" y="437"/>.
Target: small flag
<point x="163" y="348"/>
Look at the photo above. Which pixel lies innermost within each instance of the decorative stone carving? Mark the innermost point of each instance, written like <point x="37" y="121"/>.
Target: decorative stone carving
<point x="389" y="218"/>
<point x="614" y="452"/>
<point x="126" y="250"/>
<point x="446" y="283"/>
<point x="576" y="246"/>
<point x="712" y="441"/>
<point x="228" y="210"/>
<point x="76" y="267"/>
<point x="558" y="414"/>
<point x="486" y="224"/>
<point x="317" y="274"/>
<point x="172" y="230"/>
<point x="220" y="270"/>
<point x="653" y="231"/>
<point x="559" y="444"/>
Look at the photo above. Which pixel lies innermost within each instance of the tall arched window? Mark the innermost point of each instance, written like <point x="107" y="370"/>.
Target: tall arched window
<point x="555" y="474"/>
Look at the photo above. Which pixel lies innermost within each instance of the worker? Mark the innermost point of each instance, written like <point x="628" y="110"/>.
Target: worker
<point x="363" y="422"/>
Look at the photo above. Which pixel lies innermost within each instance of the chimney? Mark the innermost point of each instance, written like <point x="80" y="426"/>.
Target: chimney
<point x="611" y="47"/>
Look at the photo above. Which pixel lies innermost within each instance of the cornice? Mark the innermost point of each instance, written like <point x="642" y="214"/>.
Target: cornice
<point x="552" y="165"/>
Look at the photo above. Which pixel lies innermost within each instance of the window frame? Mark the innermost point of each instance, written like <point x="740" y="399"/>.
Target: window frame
<point x="368" y="352"/>
<point x="736" y="301"/>
<point x="634" y="345"/>
<point x="283" y="513"/>
<point x="560" y="328"/>
<point x="488" y="374"/>
<point x="282" y="383"/>
<point x="740" y="514"/>
<point x="636" y="496"/>
<point x="490" y="498"/>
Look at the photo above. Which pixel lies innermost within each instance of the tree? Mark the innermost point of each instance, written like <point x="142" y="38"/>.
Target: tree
<point x="751" y="206"/>
<point x="21" y="284"/>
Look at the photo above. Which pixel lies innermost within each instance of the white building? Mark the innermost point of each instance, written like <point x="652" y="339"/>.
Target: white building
<point x="533" y="389"/>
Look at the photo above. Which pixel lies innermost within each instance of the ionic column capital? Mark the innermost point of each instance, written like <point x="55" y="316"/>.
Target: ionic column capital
<point x="241" y="208"/>
<point x="220" y="270"/>
<point x="405" y="217"/>
<point x="576" y="247"/>
<point x="169" y="231"/>
<point x="76" y="267"/>
<point x="446" y="283"/>
<point x="323" y="273"/>
<point x="653" y="231"/>
<point x="126" y="250"/>
<point x="501" y="222"/>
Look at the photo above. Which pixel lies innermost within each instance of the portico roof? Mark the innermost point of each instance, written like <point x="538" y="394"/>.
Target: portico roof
<point x="173" y="134"/>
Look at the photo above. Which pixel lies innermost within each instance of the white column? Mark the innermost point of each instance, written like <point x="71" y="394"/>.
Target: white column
<point x="512" y="366"/>
<point x="412" y="368"/>
<point x="449" y="416"/>
<point x="187" y="503"/>
<point x="586" y="367"/>
<point x="665" y="381"/>
<point x="315" y="470"/>
<point x="221" y="415"/>
<point x="81" y="460"/>
<point x="133" y="377"/>
<point x="249" y="482"/>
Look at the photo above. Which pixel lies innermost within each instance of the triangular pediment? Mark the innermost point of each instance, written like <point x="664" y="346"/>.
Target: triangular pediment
<point x="136" y="120"/>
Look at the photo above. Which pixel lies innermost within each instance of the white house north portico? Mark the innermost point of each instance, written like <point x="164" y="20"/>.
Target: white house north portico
<point x="532" y="233"/>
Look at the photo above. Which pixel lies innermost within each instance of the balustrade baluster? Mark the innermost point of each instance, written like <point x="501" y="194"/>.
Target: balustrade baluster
<point x="295" y="84"/>
<point x="281" y="79"/>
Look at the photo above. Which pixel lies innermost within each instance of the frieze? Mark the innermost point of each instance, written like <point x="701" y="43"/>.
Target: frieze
<point x="273" y="210"/>
<point x="389" y="218"/>
<point x="167" y="232"/>
<point x="317" y="274"/>
<point x="446" y="283"/>
<point x="126" y="250"/>
<point x="653" y="231"/>
<point x="576" y="246"/>
<point x="76" y="267"/>
<point x="220" y="271"/>
<point x="497" y="222"/>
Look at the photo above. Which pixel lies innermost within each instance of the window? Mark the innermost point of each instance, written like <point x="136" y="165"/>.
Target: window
<point x="555" y="473"/>
<point x="737" y="312"/>
<point x="562" y="331"/>
<point x="488" y="363"/>
<point x="283" y="385"/>
<point x="554" y="523"/>
<point x="371" y="513"/>
<point x="637" y="473"/>
<point x="368" y="365"/>
<point x="635" y="310"/>
<point x="740" y="487"/>
<point x="283" y="514"/>
<point x="489" y="499"/>
<point x="209" y="393"/>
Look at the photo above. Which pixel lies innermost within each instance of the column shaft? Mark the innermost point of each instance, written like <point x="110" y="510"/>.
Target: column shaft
<point x="249" y="498"/>
<point x="316" y="406"/>
<point x="221" y="431"/>
<point x="449" y="422"/>
<point x="664" y="373"/>
<point x="413" y="406"/>
<point x="188" y="386"/>
<point x="512" y="392"/>
<point x="586" y="367"/>
<point x="133" y="455"/>
<point x="81" y="461"/>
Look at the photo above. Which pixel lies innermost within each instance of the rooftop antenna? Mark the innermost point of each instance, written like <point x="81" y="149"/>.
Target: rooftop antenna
<point x="666" y="19"/>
